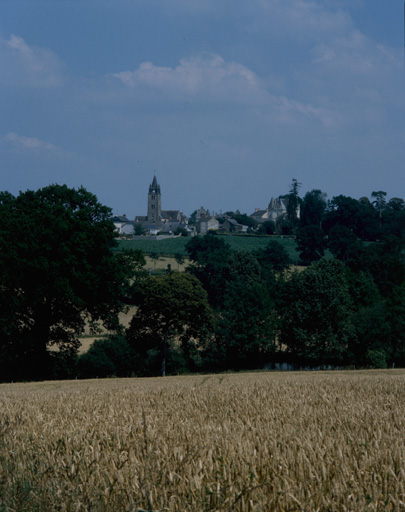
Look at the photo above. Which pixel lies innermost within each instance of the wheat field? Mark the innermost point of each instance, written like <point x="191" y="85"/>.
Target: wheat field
<point x="325" y="441"/>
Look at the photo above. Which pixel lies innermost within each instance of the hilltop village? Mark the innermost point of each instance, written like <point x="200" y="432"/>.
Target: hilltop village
<point x="174" y="222"/>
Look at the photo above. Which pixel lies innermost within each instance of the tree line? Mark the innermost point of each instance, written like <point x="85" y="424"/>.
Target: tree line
<point x="228" y="311"/>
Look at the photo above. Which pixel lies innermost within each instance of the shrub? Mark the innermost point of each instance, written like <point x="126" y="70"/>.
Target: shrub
<point x="107" y="357"/>
<point x="376" y="359"/>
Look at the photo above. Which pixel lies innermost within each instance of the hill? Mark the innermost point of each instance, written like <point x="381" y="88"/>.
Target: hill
<point x="171" y="246"/>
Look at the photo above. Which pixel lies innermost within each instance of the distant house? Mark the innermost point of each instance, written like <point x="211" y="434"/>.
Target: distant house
<point x="260" y="216"/>
<point x="205" y="224"/>
<point x="233" y="226"/>
<point x="276" y="208"/>
<point x="123" y="225"/>
<point x="151" y="229"/>
<point x="171" y="226"/>
<point x="171" y="215"/>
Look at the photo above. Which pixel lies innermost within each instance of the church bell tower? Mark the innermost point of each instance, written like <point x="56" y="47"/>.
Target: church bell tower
<point x="154" y="203"/>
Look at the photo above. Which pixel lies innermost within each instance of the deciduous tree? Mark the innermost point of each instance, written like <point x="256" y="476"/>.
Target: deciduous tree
<point x="273" y="258"/>
<point x="210" y="256"/>
<point x="311" y="243"/>
<point x="172" y="307"/>
<point x="246" y="326"/>
<point x="58" y="271"/>
<point x="316" y="309"/>
<point x="313" y="208"/>
<point x="267" y="227"/>
<point x="358" y="216"/>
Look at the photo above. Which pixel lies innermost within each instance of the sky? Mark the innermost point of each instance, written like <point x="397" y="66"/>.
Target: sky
<point x="226" y="101"/>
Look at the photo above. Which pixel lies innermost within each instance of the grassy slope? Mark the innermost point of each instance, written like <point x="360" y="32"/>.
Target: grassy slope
<point x="172" y="246"/>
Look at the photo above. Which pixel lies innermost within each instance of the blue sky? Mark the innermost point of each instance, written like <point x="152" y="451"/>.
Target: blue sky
<point x="225" y="100"/>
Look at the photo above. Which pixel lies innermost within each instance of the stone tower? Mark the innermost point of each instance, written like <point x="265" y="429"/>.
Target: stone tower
<point x="154" y="203"/>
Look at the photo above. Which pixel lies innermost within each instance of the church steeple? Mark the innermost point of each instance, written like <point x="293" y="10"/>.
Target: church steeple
<point x="154" y="202"/>
<point x="154" y="187"/>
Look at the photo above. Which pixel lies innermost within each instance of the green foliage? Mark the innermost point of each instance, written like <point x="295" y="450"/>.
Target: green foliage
<point x="395" y="315"/>
<point x="387" y="264"/>
<point x="376" y="275"/>
<point x="201" y="249"/>
<point x="285" y="226"/>
<point x="107" y="357"/>
<point x="268" y="227"/>
<point x="244" y="268"/>
<point x="181" y="231"/>
<point x="379" y="202"/>
<point x="180" y="259"/>
<point x="293" y="202"/>
<point x="395" y="204"/>
<point x="60" y="268"/>
<point x="273" y="259"/>
<point x="362" y="288"/>
<point x="358" y="216"/>
<point x="139" y="230"/>
<point x="245" y="219"/>
<point x="172" y="311"/>
<point x="57" y="271"/>
<point x="210" y="255"/>
<point x="315" y="310"/>
<point x="372" y="335"/>
<point x="63" y="364"/>
<point x="342" y="241"/>
<point x="313" y="208"/>
<point x="192" y="218"/>
<point x="311" y="243"/>
<point x="246" y="327"/>
<point x="376" y="359"/>
<point x="393" y="218"/>
<point x="380" y="326"/>
<point x="384" y="261"/>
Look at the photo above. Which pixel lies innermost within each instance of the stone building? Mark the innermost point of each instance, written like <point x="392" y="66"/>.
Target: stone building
<point x="205" y="224"/>
<point x="156" y="220"/>
<point x="154" y="215"/>
<point x="276" y="208"/>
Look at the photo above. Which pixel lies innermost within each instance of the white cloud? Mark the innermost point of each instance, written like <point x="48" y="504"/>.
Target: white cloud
<point x="292" y="112"/>
<point x="29" y="143"/>
<point x="196" y="76"/>
<point x="213" y="80"/>
<point x="344" y="76"/>
<point x="313" y="17"/>
<point x="303" y="19"/>
<point x="359" y="71"/>
<point x="325" y="34"/>
<point x="24" y="65"/>
<point x="356" y="54"/>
